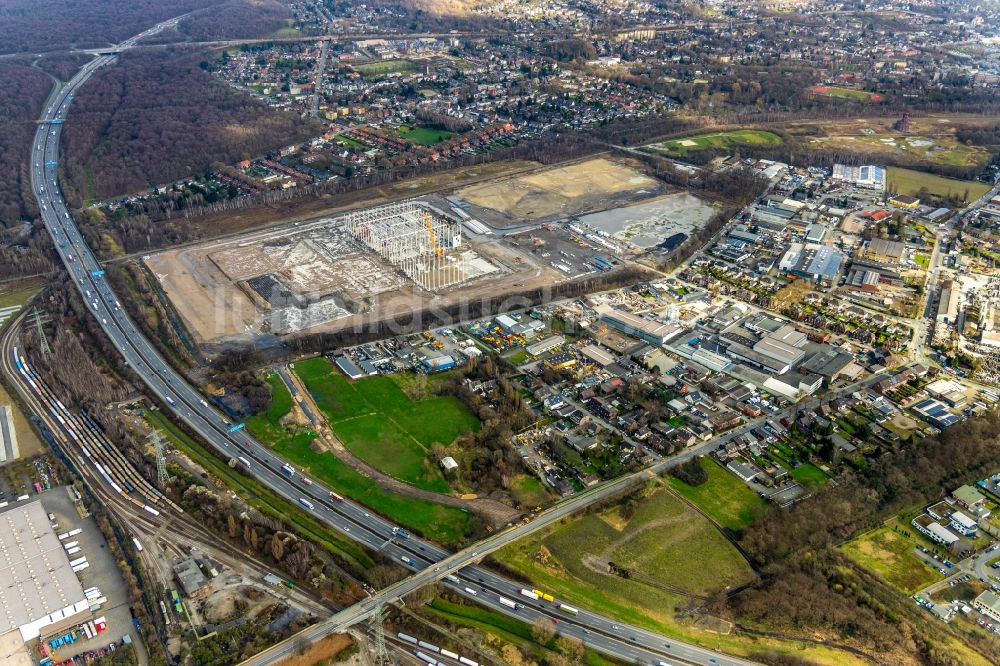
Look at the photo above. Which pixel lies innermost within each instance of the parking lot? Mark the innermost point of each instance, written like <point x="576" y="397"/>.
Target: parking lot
<point x="103" y="573"/>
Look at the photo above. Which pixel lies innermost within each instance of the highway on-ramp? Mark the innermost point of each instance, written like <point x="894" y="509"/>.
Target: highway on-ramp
<point x="429" y="561"/>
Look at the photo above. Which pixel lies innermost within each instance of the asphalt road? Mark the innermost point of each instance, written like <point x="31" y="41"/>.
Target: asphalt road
<point x="430" y="562"/>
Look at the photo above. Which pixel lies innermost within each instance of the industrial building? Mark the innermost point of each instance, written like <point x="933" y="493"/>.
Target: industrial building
<point x="948" y="303"/>
<point x="815" y="233"/>
<point x="793" y="384"/>
<point x="348" y="367"/>
<point x="868" y="176"/>
<point x="904" y="201"/>
<point x="784" y="346"/>
<point x="436" y="361"/>
<point x="192" y="581"/>
<point x="39" y="593"/>
<point x="653" y="332"/>
<point x="812" y="261"/>
<point x="935" y="413"/>
<point x="988" y="603"/>
<point x="598" y="355"/>
<point x="831" y="363"/>
<point x="545" y="345"/>
<point x="948" y="391"/>
<point x="885" y="250"/>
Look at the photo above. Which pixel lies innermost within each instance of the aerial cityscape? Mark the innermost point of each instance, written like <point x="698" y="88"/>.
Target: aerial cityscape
<point x="499" y="332"/>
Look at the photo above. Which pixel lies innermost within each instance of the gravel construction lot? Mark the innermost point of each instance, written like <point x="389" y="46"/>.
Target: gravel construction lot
<point x="563" y="191"/>
<point x="203" y="281"/>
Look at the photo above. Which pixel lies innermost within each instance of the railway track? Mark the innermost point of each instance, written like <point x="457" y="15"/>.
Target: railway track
<point x="113" y="479"/>
<point x="426" y="560"/>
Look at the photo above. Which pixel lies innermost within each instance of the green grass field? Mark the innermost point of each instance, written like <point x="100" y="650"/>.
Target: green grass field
<point x="907" y="181"/>
<point x="424" y="136"/>
<point x="17" y="296"/>
<point x="664" y="541"/>
<point x="528" y="491"/>
<point x="721" y="140"/>
<point x="331" y="391"/>
<point x="378" y="422"/>
<point x="382" y="68"/>
<point x="723" y="497"/>
<point x="348" y="141"/>
<point x="809" y="475"/>
<point x="848" y="93"/>
<point x="447" y="524"/>
<point x="289" y="30"/>
<point x="890" y="555"/>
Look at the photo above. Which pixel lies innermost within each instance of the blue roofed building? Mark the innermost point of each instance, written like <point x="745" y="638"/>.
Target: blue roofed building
<point x="934" y="412"/>
<point x="348" y="368"/>
<point x="812" y="261"/>
<point x="868" y="176"/>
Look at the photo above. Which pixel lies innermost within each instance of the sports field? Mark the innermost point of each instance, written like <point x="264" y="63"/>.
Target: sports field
<point x="907" y="181"/>
<point x="890" y="555"/>
<point x="663" y="543"/>
<point x="444" y="523"/>
<point x="723" y="497"/>
<point x="721" y="140"/>
<point x="382" y="68"/>
<point x="379" y="423"/>
<point x="424" y="136"/>
<point x="848" y="93"/>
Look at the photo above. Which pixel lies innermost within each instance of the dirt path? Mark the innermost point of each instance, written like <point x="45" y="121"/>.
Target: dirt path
<point x="495" y="513"/>
<point x="653" y="524"/>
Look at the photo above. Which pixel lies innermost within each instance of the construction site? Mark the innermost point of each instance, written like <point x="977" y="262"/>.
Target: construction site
<point x="419" y="240"/>
<point x="347" y="271"/>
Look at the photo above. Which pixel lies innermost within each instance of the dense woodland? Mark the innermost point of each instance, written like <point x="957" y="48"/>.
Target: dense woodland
<point x="157" y="117"/>
<point x="47" y="25"/>
<point x="236" y="19"/>
<point x="809" y="588"/>
<point x="182" y="120"/>
<point x="22" y="93"/>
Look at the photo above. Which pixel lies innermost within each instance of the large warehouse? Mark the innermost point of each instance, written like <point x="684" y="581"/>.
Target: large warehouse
<point x="39" y="593"/>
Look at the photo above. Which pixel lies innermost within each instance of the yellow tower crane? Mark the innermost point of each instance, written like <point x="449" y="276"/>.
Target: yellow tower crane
<point x="430" y="232"/>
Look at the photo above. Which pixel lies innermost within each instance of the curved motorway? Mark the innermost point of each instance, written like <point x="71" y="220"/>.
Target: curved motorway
<point x="429" y="561"/>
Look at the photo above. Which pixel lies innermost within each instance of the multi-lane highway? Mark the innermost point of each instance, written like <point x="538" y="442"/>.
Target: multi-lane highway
<point x="429" y="561"/>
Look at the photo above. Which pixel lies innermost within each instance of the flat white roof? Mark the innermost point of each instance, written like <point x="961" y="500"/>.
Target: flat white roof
<point x="963" y="519"/>
<point x="37" y="585"/>
<point x="942" y="533"/>
<point x="598" y="355"/>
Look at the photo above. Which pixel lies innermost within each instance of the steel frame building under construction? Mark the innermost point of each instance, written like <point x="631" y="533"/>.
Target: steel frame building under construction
<point x="416" y="238"/>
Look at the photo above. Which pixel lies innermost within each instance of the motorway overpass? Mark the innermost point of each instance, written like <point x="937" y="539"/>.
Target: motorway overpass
<point x="429" y="561"/>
